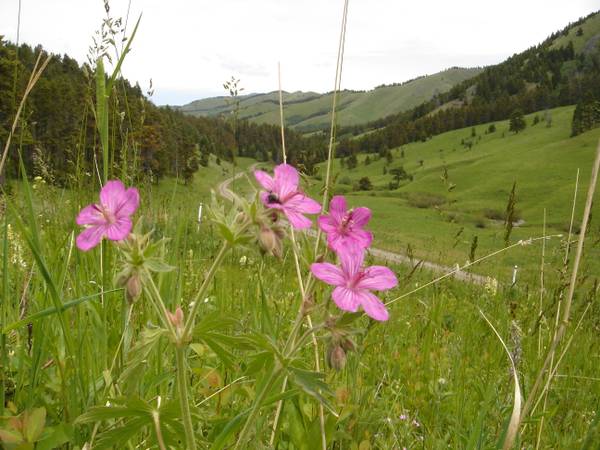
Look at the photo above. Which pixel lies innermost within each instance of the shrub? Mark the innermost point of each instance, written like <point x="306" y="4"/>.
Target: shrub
<point x="345" y="180"/>
<point x="364" y="184"/>
<point x="495" y="214"/>
<point x="425" y="200"/>
<point x="480" y="223"/>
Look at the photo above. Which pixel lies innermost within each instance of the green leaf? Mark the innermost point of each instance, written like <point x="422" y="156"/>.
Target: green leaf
<point x="213" y="342"/>
<point x="33" y="424"/>
<point x="117" y="437"/>
<point x="102" y="115"/>
<point x="55" y="437"/>
<point x="138" y="355"/>
<point x="257" y="362"/>
<point x="157" y="265"/>
<point x="126" y="50"/>
<point x="226" y="233"/>
<point x="220" y="441"/>
<point x="52" y="310"/>
<point x="312" y="383"/>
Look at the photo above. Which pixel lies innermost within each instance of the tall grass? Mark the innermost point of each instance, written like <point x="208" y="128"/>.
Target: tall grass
<point x="85" y="363"/>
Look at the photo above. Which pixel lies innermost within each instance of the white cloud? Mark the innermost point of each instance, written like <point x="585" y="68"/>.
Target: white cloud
<point x="189" y="48"/>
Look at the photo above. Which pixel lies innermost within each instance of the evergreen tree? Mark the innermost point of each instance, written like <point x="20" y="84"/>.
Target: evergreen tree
<point x="364" y="184"/>
<point x="517" y="121"/>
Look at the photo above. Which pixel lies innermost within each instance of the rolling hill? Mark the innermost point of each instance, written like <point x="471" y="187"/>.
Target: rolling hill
<point x="457" y="185"/>
<point x="309" y="111"/>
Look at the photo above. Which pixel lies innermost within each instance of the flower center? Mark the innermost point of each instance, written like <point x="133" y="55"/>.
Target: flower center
<point x="273" y="198"/>
<point x="108" y="215"/>
<point x="354" y="280"/>
<point x="346" y="224"/>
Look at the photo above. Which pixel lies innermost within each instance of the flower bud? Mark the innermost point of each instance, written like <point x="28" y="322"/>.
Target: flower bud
<point x="308" y="303"/>
<point x="348" y="344"/>
<point x="270" y="241"/>
<point x="133" y="288"/>
<point x="176" y="318"/>
<point x="336" y="357"/>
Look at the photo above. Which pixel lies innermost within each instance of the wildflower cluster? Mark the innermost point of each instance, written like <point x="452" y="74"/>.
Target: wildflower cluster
<point x="111" y="218"/>
<point x="346" y="236"/>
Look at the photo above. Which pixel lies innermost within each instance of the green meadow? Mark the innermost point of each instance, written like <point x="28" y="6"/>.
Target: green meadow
<point x="460" y="192"/>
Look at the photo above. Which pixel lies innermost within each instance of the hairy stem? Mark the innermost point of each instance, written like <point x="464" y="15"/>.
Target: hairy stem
<point x="186" y="416"/>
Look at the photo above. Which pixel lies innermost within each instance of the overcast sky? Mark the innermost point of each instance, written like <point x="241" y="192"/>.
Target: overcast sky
<point x="189" y="48"/>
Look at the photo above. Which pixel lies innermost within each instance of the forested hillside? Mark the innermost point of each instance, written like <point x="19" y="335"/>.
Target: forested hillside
<point x="57" y="131"/>
<point x="554" y="73"/>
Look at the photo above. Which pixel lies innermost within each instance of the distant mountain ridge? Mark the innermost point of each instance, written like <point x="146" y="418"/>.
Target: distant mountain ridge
<point x="309" y="111"/>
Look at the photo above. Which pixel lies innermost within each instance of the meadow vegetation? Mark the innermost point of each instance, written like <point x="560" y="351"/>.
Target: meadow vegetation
<point x="135" y="322"/>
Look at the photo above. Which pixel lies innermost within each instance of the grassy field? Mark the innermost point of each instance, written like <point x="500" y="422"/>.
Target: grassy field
<point x="310" y="111"/>
<point x="432" y="377"/>
<point x="438" y="222"/>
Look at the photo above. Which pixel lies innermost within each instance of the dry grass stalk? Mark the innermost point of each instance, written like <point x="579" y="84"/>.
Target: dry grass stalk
<point x="515" y="418"/>
<point x="36" y="73"/>
<point x="565" y="261"/>
<point x="566" y="313"/>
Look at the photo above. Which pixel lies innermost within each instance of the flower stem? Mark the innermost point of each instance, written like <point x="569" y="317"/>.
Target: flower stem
<point x="159" y="304"/>
<point x="183" y="398"/>
<point x="256" y="407"/>
<point x="209" y="276"/>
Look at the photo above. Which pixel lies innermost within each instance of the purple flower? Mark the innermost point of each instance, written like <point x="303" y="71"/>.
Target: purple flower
<point x="345" y="228"/>
<point x="353" y="283"/>
<point x="110" y="218"/>
<point x="282" y="193"/>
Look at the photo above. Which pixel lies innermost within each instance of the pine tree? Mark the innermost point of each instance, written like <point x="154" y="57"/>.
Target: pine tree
<point x="517" y="121"/>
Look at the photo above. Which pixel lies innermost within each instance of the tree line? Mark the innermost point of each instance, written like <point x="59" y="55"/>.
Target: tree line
<point x="542" y="77"/>
<point x="57" y="134"/>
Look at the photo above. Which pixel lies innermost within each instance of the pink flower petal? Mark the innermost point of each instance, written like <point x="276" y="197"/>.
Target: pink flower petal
<point x="304" y="204"/>
<point x="90" y="237"/>
<point x="297" y="220"/>
<point x="338" y="208"/>
<point x="339" y="243"/>
<point x="361" y="216"/>
<point x="120" y="229"/>
<point x="129" y="202"/>
<point x="362" y="238"/>
<point x="327" y="224"/>
<point x="90" y="216"/>
<point x="373" y="307"/>
<point x="286" y="180"/>
<point x="351" y="261"/>
<point x="377" y="278"/>
<point x="264" y="179"/>
<point x="111" y="195"/>
<point x="345" y="299"/>
<point x="328" y="273"/>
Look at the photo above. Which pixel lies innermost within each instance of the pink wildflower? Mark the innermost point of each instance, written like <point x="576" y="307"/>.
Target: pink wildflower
<point x="282" y="193"/>
<point x="110" y="218"/>
<point x="345" y="228"/>
<point x="353" y="283"/>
